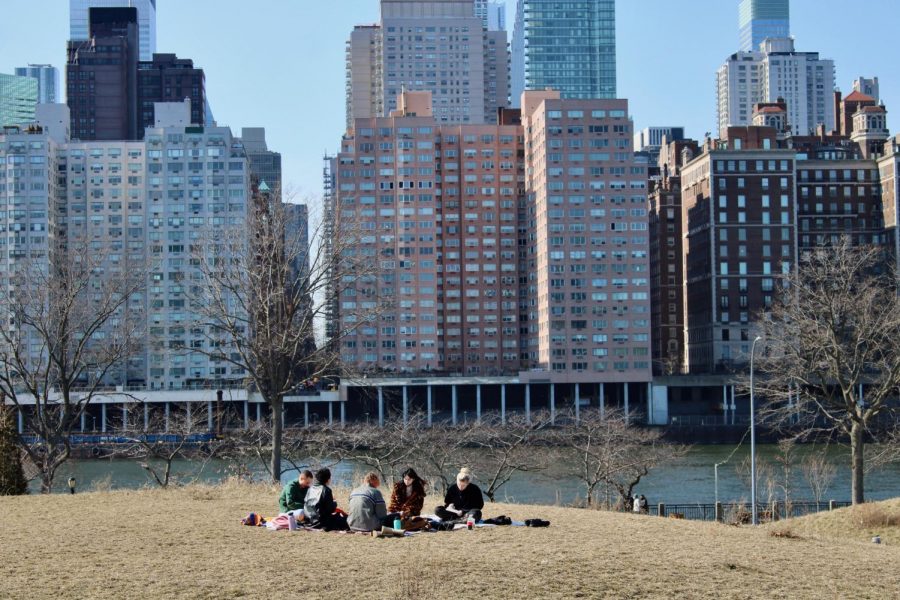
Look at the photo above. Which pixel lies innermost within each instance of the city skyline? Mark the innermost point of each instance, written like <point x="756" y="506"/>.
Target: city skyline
<point x="649" y="35"/>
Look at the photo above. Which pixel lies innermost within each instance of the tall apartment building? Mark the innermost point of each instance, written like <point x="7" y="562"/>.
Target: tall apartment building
<point x="666" y="265"/>
<point x="492" y="14"/>
<point x="142" y="204"/>
<point x="79" y="21"/>
<point x="889" y="179"/>
<point x="112" y="94"/>
<point x="438" y="46"/>
<point x="752" y="203"/>
<point x="265" y="164"/>
<point x="48" y="82"/>
<point x="101" y="77"/>
<point x="588" y="212"/>
<point x="529" y="250"/>
<point x="517" y="57"/>
<point x="29" y="189"/>
<point x="18" y="99"/>
<point x="762" y="19"/>
<point x="436" y="207"/>
<point x="566" y="46"/>
<point x="739" y="235"/>
<point x="777" y="71"/>
<point x="167" y="78"/>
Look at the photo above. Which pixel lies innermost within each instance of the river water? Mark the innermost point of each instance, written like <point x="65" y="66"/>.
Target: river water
<point x="688" y="480"/>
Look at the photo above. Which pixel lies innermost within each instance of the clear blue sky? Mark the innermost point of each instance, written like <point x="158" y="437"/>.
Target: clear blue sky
<point x="280" y="63"/>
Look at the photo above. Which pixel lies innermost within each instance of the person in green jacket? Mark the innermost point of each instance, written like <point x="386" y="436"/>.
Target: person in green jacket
<point x="294" y="493"/>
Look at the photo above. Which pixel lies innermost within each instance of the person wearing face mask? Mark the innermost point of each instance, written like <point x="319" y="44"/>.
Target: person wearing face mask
<point x="462" y="500"/>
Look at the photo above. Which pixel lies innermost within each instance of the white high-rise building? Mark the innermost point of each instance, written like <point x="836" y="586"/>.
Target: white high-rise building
<point x="49" y="91"/>
<point x="143" y="205"/>
<point x="79" y="22"/>
<point x="863" y="85"/>
<point x="805" y="81"/>
<point x="428" y="45"/>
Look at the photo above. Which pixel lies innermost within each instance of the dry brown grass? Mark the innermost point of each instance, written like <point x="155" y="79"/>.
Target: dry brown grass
<point x="188" y="543"/>
<point x="854" y="523"/>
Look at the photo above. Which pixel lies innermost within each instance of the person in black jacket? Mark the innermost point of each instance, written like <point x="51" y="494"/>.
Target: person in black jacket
<point x="462" y="500"/>
<point x="319" y="506"/>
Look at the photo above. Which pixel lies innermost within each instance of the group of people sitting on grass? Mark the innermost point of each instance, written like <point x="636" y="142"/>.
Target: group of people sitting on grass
<point x="310" y="501"/>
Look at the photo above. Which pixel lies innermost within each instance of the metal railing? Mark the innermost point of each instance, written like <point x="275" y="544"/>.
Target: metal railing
<point x="739" y="512"/>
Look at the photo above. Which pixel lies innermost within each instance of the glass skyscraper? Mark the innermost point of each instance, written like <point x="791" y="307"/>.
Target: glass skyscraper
<point x="79" y="25"/>
<point x="761" y="19"/>
<point x="18" y="99"/>
<point x="48" y="82"/>
<point x="569" y="45"/>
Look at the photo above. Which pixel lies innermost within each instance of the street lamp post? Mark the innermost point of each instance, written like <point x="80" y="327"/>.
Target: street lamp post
<point x="753" y="439"/>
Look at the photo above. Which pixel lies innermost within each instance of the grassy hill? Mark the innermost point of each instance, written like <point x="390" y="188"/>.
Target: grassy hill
<point x="855" y="523"/>
<point x="188" y="543"/>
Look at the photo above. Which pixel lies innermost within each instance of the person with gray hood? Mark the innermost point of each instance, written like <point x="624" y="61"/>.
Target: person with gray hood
<point x="367" y="510"/>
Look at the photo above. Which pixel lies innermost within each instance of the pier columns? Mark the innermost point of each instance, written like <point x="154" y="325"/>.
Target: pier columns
<point x="405" y="405"/>
<point x="83" y="420"/>
<point x="453" y="395"/>
<point x="259" y="413"/>
<point x="478" y="402"/>
<point x="246" y="414"/>
<point x="343" y="413"/>
<point x="380" y="406"/>
<point x="651" y="418"/>
<point x="146" y="416"/>
<point x="124" y="417"/>
<point x="528" y="402"/>
<point x="331" y="412"/>
<point x="602" y="400"/>
<point x="503" y="403"/>
<point x="577" y="404"/>
<point x="103" y="417"/>
<point x="306" y="413"/>
<point x="552" y="404"/>
<point x="733" y="406"/>
<point x="627" y="415"/>
<point x="166" y="422"/>
<point x="428" y="408"/>
<point x="209" y="416"/>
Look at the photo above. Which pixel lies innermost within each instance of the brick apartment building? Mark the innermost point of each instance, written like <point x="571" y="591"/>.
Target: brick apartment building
<point x="500" y="247"/>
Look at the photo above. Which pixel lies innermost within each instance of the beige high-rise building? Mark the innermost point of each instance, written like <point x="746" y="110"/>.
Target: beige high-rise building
<point x="439" y="46"/>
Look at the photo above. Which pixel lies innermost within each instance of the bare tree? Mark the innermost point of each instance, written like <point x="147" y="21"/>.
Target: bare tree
<point x="785" y="460"/>
<point x="383" y="449"/>
<point x="157" y="442"/>
<point x="830" y="335"/>
<point x="74" y="322"/>
<point x="302" y="447"/>
<point x="263" y="288"/>
<point x="505" y="449"/>
<point x="819" y="473"/>
<point x="607" y="450"/>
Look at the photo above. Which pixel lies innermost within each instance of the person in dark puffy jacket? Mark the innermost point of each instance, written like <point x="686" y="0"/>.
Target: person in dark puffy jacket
<point x="462" y="500"/>
<point x="319" y="507"/>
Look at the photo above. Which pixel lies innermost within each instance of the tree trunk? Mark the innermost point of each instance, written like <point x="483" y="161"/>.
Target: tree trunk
<point x="856" y="463"/>
<point x="277" y="411"/>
